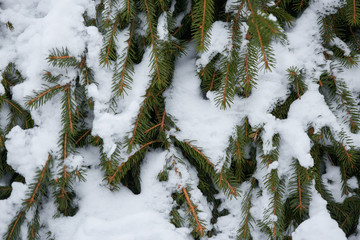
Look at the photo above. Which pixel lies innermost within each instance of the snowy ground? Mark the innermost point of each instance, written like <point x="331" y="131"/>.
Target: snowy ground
<point x="41" y="25"/>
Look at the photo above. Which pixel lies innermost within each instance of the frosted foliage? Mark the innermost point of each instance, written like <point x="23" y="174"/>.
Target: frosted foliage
<point x="320" y="225"/>
<point x="163" y="26"/>
<point x="42" y="25"/>
<point x="2" y="90"/>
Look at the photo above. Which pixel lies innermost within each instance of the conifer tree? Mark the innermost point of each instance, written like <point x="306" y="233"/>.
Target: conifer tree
<point x="250" y="169"/>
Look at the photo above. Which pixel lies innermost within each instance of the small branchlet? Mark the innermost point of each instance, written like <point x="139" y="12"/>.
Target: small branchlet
<point x="61" y="58"/>
<point x="297" y="83"/>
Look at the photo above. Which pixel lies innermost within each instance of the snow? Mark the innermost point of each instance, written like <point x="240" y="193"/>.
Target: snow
<point x="353" y="183"/>
<point x="2" y="90"/>
<point x="229" y="5"/>
<point x="341" y="44"/>
<point x="162" y="28"/>
<point x="10" y="205"/>
<point x="41" y="25"/>
<point x="121" y="215"/>
<point x="320" y="225"/>
<point x="209" y="129"/>
<point x="74" y="162"/>
<point x="29" y="149"/>
<point x="220" y="41"/>
<point x="332" y="178"/>
<point x="273" y="165"/>
<point x="112" y="126"/>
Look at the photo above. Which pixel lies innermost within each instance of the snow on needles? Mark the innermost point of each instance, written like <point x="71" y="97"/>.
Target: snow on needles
<point x="41" y="25"/>
<point x="133" y="217"/>
<point x="320" y="225"/>
<point x="198" y="118"/>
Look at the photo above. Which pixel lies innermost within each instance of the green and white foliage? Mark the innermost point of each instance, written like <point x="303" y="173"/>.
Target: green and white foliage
<point x="269" y="188"/>
<point x="38" y="190"/>
<point x="251" y="31"/>
<point x="74" y="112"/>
<point x="14" y="115"/>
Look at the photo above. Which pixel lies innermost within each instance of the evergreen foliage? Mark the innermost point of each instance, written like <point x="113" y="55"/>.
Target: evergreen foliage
<point x="203" y="15"/>
<point x="37" y="191"/>
<point x="297" y="89"/>
<point x="17" y="116"/>
<point x="249" y="163"/>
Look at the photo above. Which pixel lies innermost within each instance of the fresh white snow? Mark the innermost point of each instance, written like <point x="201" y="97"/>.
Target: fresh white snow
<point x="41" y="25"/>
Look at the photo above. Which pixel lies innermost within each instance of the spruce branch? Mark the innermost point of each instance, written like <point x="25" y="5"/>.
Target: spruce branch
<point x="227" y="89"/>
<point x="355" y="38"/>
<point x="300" y="4"/>
<point x="348" y="60"/>
<point x="17" y="115"/>
<point x="82" y="137"/>
<point x="43" y="96"/>
<point x="72" y="107"/>
<point x="343" y="147"/>
<point x="282" y="108"/>
<point x="122" y="77"/>
<point x="276" y="187"/>
<point x="61" y="58"/>
<point x="204" y="162"/>
<point x="43" y="178"/>
<point x="300" y="194"/>
<point x="352" y="11"/>
<point x="10" y="77"/>
<point x="5" y="192"/>
<point x="13" y="232"/>
<point x="284" y="17"/>
<point x="247" y="219"/>
<point x="248" y="66"/>
<point x="36" y="193"/>
<point x="346" y="214"/>
<point x="161" y="60"/>
<point x="200" y="228"/>
<point x="232" y="62"/>
<point x="227" y="183"/>
<point x="137" y="134"/>
<point x="203" y="15"/>
<point x="108" y="8"/>
<point x="11" y="104"/>
<point x="86" y="73"/>
<point x="49" y="77"/>
<point x="34" y="226"/>
<point x="69" y="120"/>
<point x="296" y="77"/>
<point x="263" y="30"/>
<point x="126" y="166"/>
<point x="10" y="26"/>
<point x="223" y="179"/>
<point x="176" y="218"/>
<point x="175" y="161"/>
<point x="327" y="30"/>
<point x="63" y="191"/>
<point x="209" y="76"/>
<point x="150" y="17"/>
<point x="317" y="153"/>
<point x="109" y="163"/>
<point x="346" y="156"/>
<point x="344" y="179"/>
<point x="236" y="151"/>
<point x="338" y="97"/>
<point x="129" y="6"/>
<point x="108" y="51"/>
